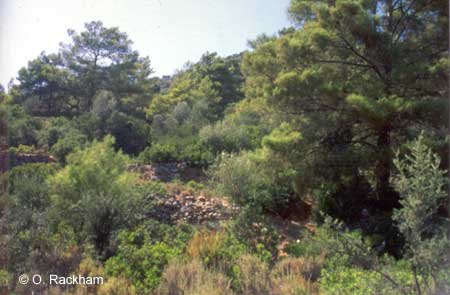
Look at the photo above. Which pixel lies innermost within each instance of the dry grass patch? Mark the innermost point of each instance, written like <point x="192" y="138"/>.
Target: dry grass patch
<point x="192" y="278"/>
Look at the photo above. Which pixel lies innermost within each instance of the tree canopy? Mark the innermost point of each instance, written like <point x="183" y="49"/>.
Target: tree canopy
<point x="354" y="78"/>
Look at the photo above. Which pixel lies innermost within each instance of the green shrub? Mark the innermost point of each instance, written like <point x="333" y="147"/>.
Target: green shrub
<point x="254" y="179"/>
<point x="159" y="153"/>
<point x="143" y="253"/>
<point x="309" y="245"/>
<point x="131" y="134"/>
<point x="94" y="193"/>
<point x="196" y="186"/>
<point x="68" y="144"/>
<point x="346" y="280"/>
<point x="423" y="189"/>
<point x="23" y="149"/>
<point x="339" y="279"/>
<point x="219" y="250"/>
<point x="196" y="154"/>
<point x="35" y="244"/>
<point x="5" y="278"/>
<point x="224" y="137"/>
<point x="22" y="128"/>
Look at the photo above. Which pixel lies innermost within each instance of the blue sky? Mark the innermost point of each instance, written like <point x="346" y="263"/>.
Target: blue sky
<point x="170" y="32"/>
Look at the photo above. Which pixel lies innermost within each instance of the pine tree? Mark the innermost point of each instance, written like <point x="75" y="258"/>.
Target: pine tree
<point x="354" y="78"/>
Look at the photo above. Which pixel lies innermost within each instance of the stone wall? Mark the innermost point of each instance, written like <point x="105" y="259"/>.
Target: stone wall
<point x="16" y="159"/>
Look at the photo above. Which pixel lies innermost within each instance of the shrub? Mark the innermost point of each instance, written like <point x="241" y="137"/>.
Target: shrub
<point x="294" y="285"/>
<point x="94" y="193"/>
<point x="143" y="253"/>
<point x="46" y="252"/>
<point x="347" y="280"/>
<point x="132" y="134"/>
<point x="353" y="267"/>
<point x="141" y="264"/>
<point x="309" y="245"/>
<point x="395" y="278"/>
<point x="252" y="275"/>
<point x="27" y="185"/>
<point x="243" y="128"/>
<point x="5" y="278"/>
<point x="61" y="136"/>
<point x="196" y="186"/>
<point x="22" y="128"/>
<point x="23" y="149"/>
<point x="111" y="285"/>
<point x="196" y="154"/>
<point x="257" y="232"/>
<point x="254" y="179"/>
<point x="191" y="278"/>
<point x="29" y="201"/>
<point x="423" y="188"/>
<point x="116" y="286"/>
<point x="66" y="145"/>
<point x="159" y="153"/>
<point x="215" y="249"/>
<point x="225" y="137"/>
<point x="306" y="267"/>
<point x="296" y="276"/>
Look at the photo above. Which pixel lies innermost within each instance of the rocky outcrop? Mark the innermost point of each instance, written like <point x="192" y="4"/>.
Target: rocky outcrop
<point x="188" y="207"/>
<point x="183" y="205"/>
<point x="147" y="172"/>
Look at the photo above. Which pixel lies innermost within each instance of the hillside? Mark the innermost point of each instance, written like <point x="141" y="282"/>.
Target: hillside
<point x="315" y="162"/>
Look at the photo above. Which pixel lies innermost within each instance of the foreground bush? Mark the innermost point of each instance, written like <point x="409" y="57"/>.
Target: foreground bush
<point x="253" y="276"/>
<point x="94" y="193"/>
<point x="423" y="189"/>
<point x="192" y="279"/>
<point x="215" y="249"/>
<point x="143" y="254"/>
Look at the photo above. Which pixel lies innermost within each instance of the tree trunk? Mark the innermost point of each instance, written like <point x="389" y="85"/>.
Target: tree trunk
<point x="385" y="196"/>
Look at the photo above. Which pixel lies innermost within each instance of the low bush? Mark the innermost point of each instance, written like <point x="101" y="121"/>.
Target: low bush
<point x="218" y="250"/>
<point x="254" y="179"/>
<point x="288" y="277"/>
<point x="339" y="279"/>
<point x="252" y="276"/>
<point x="257" y="232"/>
<point x="308" y="268"/>
<point x="192" y="278"/>
<point x="159" y="153"/>
<point x="140" y="260"/>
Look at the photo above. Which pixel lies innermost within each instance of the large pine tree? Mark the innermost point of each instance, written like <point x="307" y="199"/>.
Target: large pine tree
<point x="356" y="77"/>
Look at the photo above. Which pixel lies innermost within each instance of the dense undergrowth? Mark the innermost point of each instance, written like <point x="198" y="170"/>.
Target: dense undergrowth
<point x="329" y="138"/>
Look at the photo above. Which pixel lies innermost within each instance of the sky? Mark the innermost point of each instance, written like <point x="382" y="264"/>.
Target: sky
<point x="170" y="32"/>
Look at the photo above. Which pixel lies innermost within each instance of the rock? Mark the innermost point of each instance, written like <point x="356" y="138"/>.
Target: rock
<point x="191" y="208"/>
